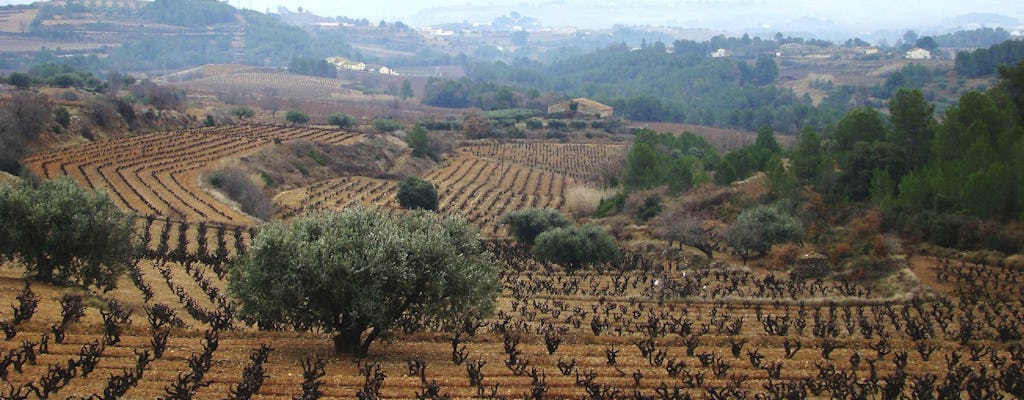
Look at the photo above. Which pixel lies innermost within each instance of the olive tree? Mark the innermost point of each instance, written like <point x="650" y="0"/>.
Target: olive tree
<point x="342" y="121"/>
<point x="576" y="247"/>
<point x="65" y="235"/>
<point x="296" y="117"/>
<point x="417" y="194"/>
<point x="678" y="225"/>
<point x="359" y="274"/>
<point x="757" y="229"/>
<point x="527" y="224"/>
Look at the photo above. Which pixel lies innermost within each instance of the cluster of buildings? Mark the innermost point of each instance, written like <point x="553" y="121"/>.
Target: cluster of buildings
<point x="342" y="63"/>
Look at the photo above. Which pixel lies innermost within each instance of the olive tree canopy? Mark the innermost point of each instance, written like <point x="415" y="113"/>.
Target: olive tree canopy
<point x="63" y="234"/>
<point x="359" y="274"/>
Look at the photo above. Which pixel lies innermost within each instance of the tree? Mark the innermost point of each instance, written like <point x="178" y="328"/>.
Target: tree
<point x="419" y="143"/>
<point x="766" y="140"/>
<point x="19" y="80"/>
<point x="807" y="155"/>
<point x="65" y="235"/>
<point x="475" y="125"/>
<point x="756" y="230"/>
<point x="913" y="124"/>
<point x="359" y="274"/>
<point x="296" y="117"/>
<point x="527" y="224"/>
<point x="406" y="91"/>
<point x="417" y="194"/>
<point x="576" y="247"/>
<point x="1011" y="80"/>
<point x="765" y="70"/>
<point x="343" y="121"/>
<point x="927" y="43"/>
<point x="22" y="118"/>
<point x="678" y="225"/>
<point x="243" y="112"/>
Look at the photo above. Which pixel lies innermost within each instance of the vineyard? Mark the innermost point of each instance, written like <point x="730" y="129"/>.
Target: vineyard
<point x="672" y="329"/>
<point x="649" y="330"/>
<point x="157" y="174"/>
<point x="482" y="182"/>
<point x="282" y="84"/>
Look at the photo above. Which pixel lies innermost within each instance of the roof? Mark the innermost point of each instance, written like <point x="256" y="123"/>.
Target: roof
<point x="590" y="103"/>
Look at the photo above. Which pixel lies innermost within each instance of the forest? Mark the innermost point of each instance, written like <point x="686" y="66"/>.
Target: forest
<point x="652" y="84"/>
<point x="948" y="179"/>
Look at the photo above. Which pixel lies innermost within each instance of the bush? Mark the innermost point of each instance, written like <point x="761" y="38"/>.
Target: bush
<point x="237" y="185"/>
<point x="296" y="117"/>
<point x="417" y="194"/>
<point x="407" y="272"/>
<point x="61" y="116"/>
<point x="611" y="205"/>
<point x="556" y="124"/>
<point x="386" y="125"/>
<point x="527" y="224"/>
<point x="577" y="247"/>
<point x="63" y="234"/>
<point x="534" y="123"/>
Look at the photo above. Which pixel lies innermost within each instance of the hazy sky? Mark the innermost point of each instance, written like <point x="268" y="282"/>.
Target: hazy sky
<point x="908" y="13"/>
<point x="714" y="14"/>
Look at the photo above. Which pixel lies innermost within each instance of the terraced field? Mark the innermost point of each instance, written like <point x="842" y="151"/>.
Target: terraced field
<point x="646" y="329"/>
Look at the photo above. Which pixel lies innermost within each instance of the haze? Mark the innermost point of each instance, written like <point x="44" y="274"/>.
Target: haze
<point x="737" y="15"/>
<point x="832" y="20"/>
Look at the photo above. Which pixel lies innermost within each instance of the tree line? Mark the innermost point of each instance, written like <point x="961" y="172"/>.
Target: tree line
<point x="982" y="62"/>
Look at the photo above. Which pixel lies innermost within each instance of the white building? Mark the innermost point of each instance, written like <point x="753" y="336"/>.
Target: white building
<point x="918" y="54"/>
<point x="720" y="53"/>
<point x="344" y="63"/>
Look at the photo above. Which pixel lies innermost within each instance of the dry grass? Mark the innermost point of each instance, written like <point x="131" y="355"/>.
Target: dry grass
<point x="582" y="201"/>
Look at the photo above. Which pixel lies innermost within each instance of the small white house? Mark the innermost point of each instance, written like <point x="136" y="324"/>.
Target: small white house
<point x="720" y="53"/>
<point x="344" y="63"/>
<point x="918" y="54"/>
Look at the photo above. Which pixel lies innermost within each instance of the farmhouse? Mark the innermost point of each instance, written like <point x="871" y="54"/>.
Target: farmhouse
<point x="582" y="106"/>
<point x="344" y="63"/>
<point x="918" y="54"/>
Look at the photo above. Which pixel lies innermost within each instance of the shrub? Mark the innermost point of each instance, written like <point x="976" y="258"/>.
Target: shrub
<point x="62" y="116"/>
<point x="556" y="124"/>
<point x="577" y="247"/>
<point x="534" y="123"/>
<point x="611" y="205"/>
<point x="417" y="194"/>
<point x="406" y="272"/>
<point x="527" y="224"/>
<point x="386" y="125"/>
<point x="237" y="185"/>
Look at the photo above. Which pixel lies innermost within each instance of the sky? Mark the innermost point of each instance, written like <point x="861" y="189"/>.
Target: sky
<point x="868" y="13"/>
<point x="730" y="15"/>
